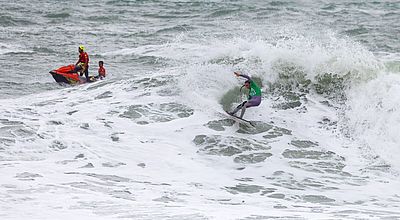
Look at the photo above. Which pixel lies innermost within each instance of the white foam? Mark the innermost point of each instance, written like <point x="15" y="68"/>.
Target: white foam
<point x="374" y="115"/>
<point x="12" y="48"/>
<point x="175" y="179"/>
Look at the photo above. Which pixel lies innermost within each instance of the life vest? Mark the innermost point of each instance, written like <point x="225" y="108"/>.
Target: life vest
<point x="84" y="58"/>
<point x="102" y="72"/>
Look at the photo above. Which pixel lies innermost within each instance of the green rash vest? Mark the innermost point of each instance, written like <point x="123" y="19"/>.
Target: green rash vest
<point x="254" y="90"/>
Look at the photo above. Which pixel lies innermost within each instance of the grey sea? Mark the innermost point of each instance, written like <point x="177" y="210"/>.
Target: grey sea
<point x="152" y="140"/>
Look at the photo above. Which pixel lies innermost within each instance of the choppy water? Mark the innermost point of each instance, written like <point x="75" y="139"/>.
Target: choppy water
<point x="152" y="142"/>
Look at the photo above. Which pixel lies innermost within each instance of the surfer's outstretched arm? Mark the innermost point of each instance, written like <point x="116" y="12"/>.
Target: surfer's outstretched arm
<point x="248" y="78"/>
<point x="242" y="75"/>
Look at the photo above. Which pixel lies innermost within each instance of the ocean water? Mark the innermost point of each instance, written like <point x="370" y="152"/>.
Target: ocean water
<point x="152" y="140"/>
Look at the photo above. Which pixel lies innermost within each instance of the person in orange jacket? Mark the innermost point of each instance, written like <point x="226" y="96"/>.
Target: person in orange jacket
<point x="82" y="65"/>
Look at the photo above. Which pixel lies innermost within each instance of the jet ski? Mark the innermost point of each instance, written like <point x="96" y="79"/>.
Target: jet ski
<point x="66" y="74"/>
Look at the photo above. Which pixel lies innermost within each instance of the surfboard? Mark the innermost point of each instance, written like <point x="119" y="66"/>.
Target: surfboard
<point x="240" y="120"/>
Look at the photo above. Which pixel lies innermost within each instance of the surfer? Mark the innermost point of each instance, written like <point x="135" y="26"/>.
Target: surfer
<point x="82" y="65"/>
<point x="254" y="96"/>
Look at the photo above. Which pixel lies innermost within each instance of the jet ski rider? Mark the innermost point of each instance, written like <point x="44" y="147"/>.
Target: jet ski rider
<point x="83" y="63"/>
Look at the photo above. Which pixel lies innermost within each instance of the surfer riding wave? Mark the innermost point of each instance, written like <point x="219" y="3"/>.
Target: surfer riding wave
<point x="254" y="96"/>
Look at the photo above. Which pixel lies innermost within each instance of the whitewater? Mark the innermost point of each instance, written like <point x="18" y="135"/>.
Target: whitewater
<point x="152" y="141"/>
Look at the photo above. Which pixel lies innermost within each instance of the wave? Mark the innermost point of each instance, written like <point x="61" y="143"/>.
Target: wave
<point x="373" y="116"/>
<point x="6" y="20"/>
<point x="61" y="15"/>
<point x="292" y="66"/>
<point x="13" y="49"/>
<point x="326" y="64"/>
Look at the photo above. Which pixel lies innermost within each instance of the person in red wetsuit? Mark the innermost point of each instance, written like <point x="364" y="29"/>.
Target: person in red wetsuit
<point x="83" y="63"/>
<point x="102" y="71"/>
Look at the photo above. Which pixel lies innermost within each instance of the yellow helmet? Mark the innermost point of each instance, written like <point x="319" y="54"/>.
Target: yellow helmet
<point x="81" y="47"/>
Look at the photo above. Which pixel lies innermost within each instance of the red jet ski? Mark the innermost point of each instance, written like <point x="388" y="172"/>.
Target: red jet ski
<point x="66" y="74"/>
